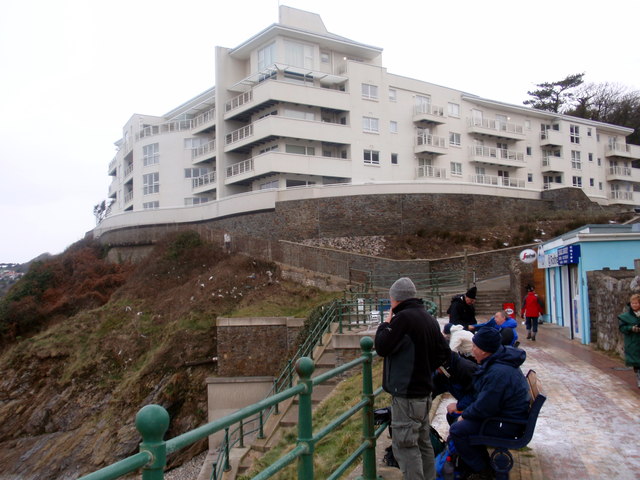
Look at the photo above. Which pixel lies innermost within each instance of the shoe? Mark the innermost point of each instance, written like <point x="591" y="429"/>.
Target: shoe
<point x="483" y="475"/>
<point x="533" y="338"/>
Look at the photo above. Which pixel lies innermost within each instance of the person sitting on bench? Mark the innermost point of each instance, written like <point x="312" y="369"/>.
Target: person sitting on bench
<point x="501" y="391"/>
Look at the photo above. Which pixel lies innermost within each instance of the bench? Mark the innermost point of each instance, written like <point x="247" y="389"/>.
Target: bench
<point x="501" y="459"/>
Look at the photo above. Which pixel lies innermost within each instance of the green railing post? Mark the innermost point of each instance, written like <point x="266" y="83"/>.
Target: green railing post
<point x="305" y="367"/>
<point x="152" y="421"/>
<point x="261" y="425"/>
<point x="241" y="433"/>
<point x="368" y="428"/>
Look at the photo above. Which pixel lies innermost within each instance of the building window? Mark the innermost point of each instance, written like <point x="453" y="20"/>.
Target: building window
<point x="456" y="168"/>
<point x="592" y="182"/>
<point x="299" y="149"/>
<point x="371" y="157"/>
<point x="150" y="183"/>
<point x="195" y="172"/>
<point x="393" y="126"/>
<point x="269" y="185"/>
<point x="151" y="205"/>
<point x="297" y="114"/>
<point x="574" y="133"/>
<point x="298" y="54"/>
<point x="529" y="151"/>
<point x="588" y="132"/>
<point x="527" y="124"/>
<point x="575" y="160"/>
<point x="369" y="92"/>
<point x="454" y="139"/>
<point x="195" y="201"/>
<point x="370" y="124"/>
<point x="591" y="157"/>
<point x="599" y="185"/>
<point x="393" y="95"/>
<point x="599" y="162"/>
<point x="529" y="177"/>
<point x="394" y="159"/>
<point x="150" y="154"/>
<point x="325" y="57"/>
<point x="454" y="110"/>
<point x="577" y="181"/>
<point x="266" y="57"/>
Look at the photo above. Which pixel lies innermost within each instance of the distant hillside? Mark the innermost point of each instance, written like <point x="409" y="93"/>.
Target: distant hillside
<point x="86" y="344"/>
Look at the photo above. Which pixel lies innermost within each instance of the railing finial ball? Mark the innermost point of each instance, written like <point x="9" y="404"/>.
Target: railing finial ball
<point x="305" y="367"/>
<point x="152" y="421"/>
<point x="366" y="343"/>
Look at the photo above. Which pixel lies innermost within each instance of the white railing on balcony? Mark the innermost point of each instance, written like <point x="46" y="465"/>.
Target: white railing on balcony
<point x="497" y="153"/>
<point x="239" y="168"/>
<point x="619" y="148"/>
<point x="239" y="134"/>
<point x="112" y="164"/>
<point x="428" y="109"/>
<point x="128" y="197"/>
<point x="203" y="149"/>
<point x="206" y="117"/>
<point x="431" y="171"/>
<point x="620" y="195"/>
<point x="432" y="140"/>
<point x="203" y="180"/>
<point x="238" y="101"/>
<point x="169" y="127"/>
<point x="496" y="125"/>
<point x="128" y="170"/>
<point x="498" y="181"/>
<point x="622" y="171"/>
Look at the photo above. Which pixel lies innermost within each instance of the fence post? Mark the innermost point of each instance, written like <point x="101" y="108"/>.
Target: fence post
<point x="152" y="421"/>
<point x="305" y="367"/>
<point x="368" y="429"/>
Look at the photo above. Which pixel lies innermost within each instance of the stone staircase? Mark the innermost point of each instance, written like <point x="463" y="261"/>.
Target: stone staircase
<point x="489" y="302"/>
<point x="336" y="349"/>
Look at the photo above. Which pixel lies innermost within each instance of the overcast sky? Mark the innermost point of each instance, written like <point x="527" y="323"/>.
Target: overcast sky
<point x="74" y="71"/>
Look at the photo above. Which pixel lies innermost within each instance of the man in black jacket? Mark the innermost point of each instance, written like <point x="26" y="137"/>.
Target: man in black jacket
<point x="461" y="311"/>
<point x="413" y="347"/>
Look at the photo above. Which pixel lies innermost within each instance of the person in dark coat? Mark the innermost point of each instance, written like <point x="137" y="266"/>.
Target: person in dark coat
<point x="501" y="391"/>
<point x="461" y="311"/>
<point x="412" y="346"/>
<point x="456" y="377"/>
<point x="629" y="324"/>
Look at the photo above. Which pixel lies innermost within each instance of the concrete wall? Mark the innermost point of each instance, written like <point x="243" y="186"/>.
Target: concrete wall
<point x="255" y="346"/>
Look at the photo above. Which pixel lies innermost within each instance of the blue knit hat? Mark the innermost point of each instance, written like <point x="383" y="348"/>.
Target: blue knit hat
<point x="488" y="339"/>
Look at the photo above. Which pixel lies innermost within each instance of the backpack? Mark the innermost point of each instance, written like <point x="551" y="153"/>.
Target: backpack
<point x="446" y="463"/>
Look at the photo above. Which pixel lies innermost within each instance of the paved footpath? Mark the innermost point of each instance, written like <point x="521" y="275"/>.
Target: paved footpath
<point x="589" y="427"/>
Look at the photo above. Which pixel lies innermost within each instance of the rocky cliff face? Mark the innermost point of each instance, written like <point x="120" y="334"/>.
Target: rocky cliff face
<point x="69" y="390"/>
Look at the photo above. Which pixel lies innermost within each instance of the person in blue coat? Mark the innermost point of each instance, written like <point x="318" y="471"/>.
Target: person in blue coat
<point x="504" y="324"/>
<point x="501" y="391"/>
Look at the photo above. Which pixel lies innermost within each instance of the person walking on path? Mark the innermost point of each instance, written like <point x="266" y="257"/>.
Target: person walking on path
<point x="461" y="311"/>
<point x="629" y="324"/>
<point x="412" y="346"/>
<point x="531" y="309"/>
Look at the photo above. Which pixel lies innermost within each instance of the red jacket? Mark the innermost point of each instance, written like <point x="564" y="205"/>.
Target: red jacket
<point x="531" y="306"/>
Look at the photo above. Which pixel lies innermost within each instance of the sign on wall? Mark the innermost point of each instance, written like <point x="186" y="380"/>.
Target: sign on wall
<point x="569" y="254"/>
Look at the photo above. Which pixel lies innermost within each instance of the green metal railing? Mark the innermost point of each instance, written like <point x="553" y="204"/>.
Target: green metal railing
<point x="152" y="421"/>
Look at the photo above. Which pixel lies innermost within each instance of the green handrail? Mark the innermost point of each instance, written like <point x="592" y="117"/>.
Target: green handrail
<point x="152" y="421"/>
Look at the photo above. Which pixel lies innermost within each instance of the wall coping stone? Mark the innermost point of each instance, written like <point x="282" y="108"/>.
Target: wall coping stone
<point x="259" y="321"/>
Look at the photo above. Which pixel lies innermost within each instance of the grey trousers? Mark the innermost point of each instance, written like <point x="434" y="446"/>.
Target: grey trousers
<point x="410" y="437"/>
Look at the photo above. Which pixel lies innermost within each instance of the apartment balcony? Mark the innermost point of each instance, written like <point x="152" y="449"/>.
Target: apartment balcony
<point x="113" y="189"/>
<point x="279" y="162"/>
<point x="429" y="171"/>
<point x="203" y="152"/>
<point x="428" y="113"/>
<point x="619" y="197"/>
<point x="495" y="128"/>
<point x="623" y="150"/>
<point x="128" y="197"/>
<point x="496" y="156"/>
<point x="498" y="181"/>
<point x="551" y="138"/>
<point x="426" y="143"/>
<point x="553" y="164"/>
<point x="113" y="164"/>
<point x="623" y="174"/>
<point x="128" y="171"/>
<point x="204" y="183"/>
<point x="552" y="185"/>
<point x="163" y="128"/>
<point x="203" y="122"/>
<point x="274" y="126"/>
<point x="271" y="92"/>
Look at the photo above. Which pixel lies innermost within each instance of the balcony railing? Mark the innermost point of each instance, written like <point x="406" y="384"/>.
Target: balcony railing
<point x="431" y="140"/>
<point x="497" y="153"/>
<point x="203" y="149"/>
<point x="238" y="101"/>
<point x="203" y="118"/>
<point x="203" y="180"/>
<point x="128" y="197"/>
<point x="498" y="181"/>
<point x="496" y="125"/>
<point x="128" y="170"/>
<point x="240" y="168"/>
<point x="620" y="171"/>
<point x="431" y="171"/>
<point x="621" y="195"/>
<point x="239" y="134"/>
<point x="169" y="127"/>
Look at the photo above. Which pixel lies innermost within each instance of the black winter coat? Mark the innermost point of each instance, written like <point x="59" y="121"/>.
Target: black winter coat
<point x="461" y="313"/>
<point x="413" y="347"/>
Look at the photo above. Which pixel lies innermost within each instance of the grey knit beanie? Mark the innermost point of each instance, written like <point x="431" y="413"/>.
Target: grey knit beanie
<point x="402" y="289"/>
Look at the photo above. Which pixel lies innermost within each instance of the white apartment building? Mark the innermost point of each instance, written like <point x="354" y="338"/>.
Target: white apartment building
<point x="298" y="109"/>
